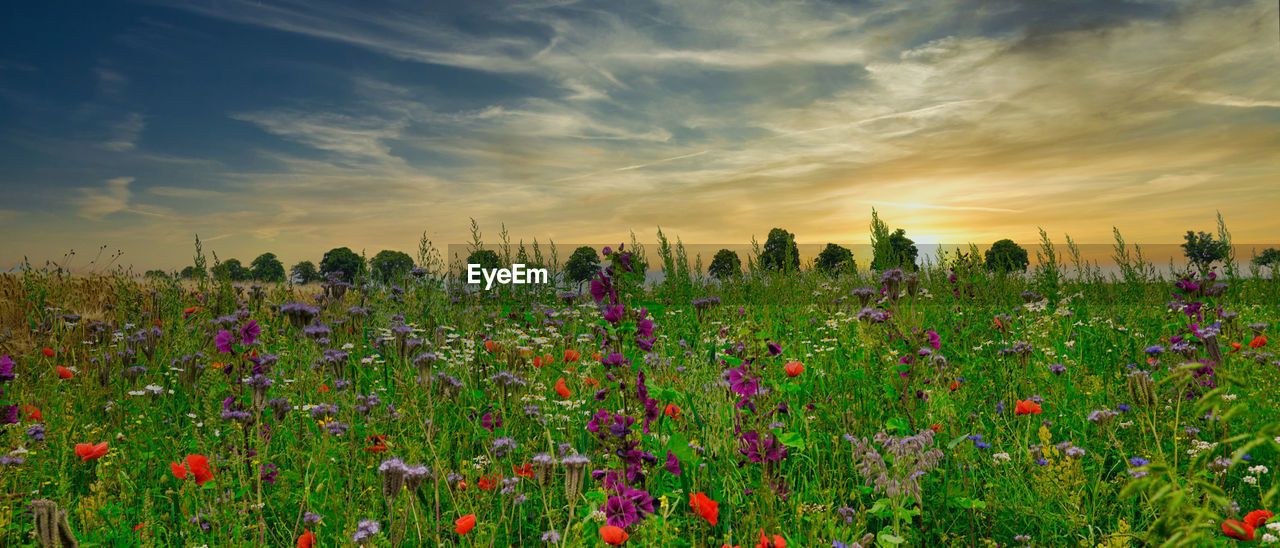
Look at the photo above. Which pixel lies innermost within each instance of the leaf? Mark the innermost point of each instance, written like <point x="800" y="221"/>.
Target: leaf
<point x="792" y="439"/>
<point x="897" y="424"/>
<point x="885" y="538"/>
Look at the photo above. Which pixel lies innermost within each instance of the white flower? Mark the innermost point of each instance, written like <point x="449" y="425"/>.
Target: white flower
<point x="1269" y="538"/>
<point x="999" y="457"/>
<point x="1250" y="480"/>
<point x="1259" y="470"/>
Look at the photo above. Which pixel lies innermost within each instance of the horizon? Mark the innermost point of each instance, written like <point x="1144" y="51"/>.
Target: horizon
<point x="296" y="127"/>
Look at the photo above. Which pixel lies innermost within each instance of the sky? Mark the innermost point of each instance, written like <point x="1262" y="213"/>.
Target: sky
<point x="298" y="126"/>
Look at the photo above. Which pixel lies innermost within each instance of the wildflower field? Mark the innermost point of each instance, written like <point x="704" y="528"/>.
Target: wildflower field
<point x="945" y="406"/>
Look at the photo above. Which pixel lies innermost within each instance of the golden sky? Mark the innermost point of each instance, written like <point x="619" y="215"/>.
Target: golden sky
<point x="298" y="127"/>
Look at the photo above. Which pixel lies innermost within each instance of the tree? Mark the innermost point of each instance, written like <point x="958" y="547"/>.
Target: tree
<point x="304" y="272"/>
<point x="156" y="275"/>
<point x="1006" y="256"/>
<point x="834" y="258"/>
<point x="191" y="273"/>
<point x="1269" y="257"/>
<point x="583" y="265"/>
<point x="231" y="270"/>
<point x="780" y="251"/>
<point x="342" y="259"/>
<point x="1202" y="249"/>
<point x="389" y="266"/>
<point x="896" y="251"/>
<point x="725" y="265"/>
<point x="267" y="268"/>
<point x="487" y="259"/>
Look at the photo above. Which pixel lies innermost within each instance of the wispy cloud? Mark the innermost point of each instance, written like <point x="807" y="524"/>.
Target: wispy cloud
<point x="124" y="135"/>
<point x="95" y="203"/>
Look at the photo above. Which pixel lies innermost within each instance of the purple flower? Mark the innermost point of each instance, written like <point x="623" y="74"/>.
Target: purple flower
<point x="223" y="341"/>
<point x="489" y="421"/>
<point x="934" y="340"/>
<point x="6" y="369"/>
<point x="620" y="512"/>
<point x="8" y="414"/>
<point x="774" y="349"/>
<point x="741" y="382"/>
<point x="249" y="333"/>
<point x="613" y="314"/>
<point x="673" y="464"/>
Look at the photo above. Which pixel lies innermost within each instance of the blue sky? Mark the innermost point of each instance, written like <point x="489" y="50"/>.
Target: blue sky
<point x="295" y="127"/>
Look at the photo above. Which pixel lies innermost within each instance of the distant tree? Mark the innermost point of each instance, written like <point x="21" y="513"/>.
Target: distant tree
<point x="1202" y="249"/>
<point x="890" y="249"/>
<point x="1269" y="257"/>
<point x="342" y="259"/>
<point x="231" y="270"/>
<point x="267" y="268"/>
<point x="388" y="266"/>
<point x="1006" y="256"/>
<point x="191" y="273"/>
<point x="304" y="272"/>
<point x="780" y="251"/>
<point x="834" y="258"/>
<point x="725" y="265"/>
<point x="486" y="258"/>
<point x="583" y="265"/>
<point x="157" y="274"/>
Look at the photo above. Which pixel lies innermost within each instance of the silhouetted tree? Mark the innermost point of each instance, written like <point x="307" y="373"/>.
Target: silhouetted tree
<point x="304" y="272"/>
<point x="388" y="265"/>
<point x="583" y="265"/>
<point x="1202" y="249"/>
<point x="232" y="270"/>
<point x="834" y="258"/>
<point x="267" y="268"/>
<point x="343" y="260"/>
<point x="725" y="265"/>
<point x="1006" y="256"/>
<point x="780" y="251"/>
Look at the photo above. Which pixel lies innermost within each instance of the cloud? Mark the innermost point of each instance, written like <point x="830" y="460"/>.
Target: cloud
<point x="96" y="203"/>
<point x="125" y="133"/>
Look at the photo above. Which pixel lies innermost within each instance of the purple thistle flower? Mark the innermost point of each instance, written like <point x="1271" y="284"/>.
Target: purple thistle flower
<point x="6" y="369"/>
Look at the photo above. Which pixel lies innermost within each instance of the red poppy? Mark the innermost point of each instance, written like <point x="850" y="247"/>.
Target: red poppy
<point x="307" y="539"/>
<point x="48" y="352"/>
<point x="705" y="507"/>
<point x="1237" y="529"/>
<point x="1027" y="407"/>
<point x="1257" y="518"/>
<point x="543" y="360"/>
<point x="88" y="452"/>
<point x="33" y="413"/>
<point x="464" y="524"/>
<point x="378" y="441"/>
<point x="672" y="411"/>
<point x="525" y="471"/>
<point x="462" y="485"/>
<point x="936" y="428"/>
<point x="323" y="387"/>
<point x="997" y="323"/>
<point x="1235" y="347"/>
<point x="592" y="382"/>
<point x="189" y="311"/>
<point x="776" y="542"/>
<point x="1258" y="342"/>
<point x="596" y="355"/>
<point x="955" y="385"/>
<point x="139" y="526"/>
<point x="613" y="535"/>
<point x="197" y="465"/>
<point x="486" y="484"/>
<point x="64" y="373"/>
<point x="793" y="369"/>
<point x="571" y="356"/>
<point x="491" y="346"/>
<point x="561" y="389"/>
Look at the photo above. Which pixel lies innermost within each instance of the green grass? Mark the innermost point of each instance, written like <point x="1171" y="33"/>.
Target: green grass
<point x="854" y="386"/>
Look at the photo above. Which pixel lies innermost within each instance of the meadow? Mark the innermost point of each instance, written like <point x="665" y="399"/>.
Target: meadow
<point x="949" y="406"/>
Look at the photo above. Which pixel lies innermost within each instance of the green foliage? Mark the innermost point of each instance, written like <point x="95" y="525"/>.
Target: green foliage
<point x="486" y="258"/>
<point x="834" y="258"/>
<point x="344" y="260"/>
<point x="780" y="251"/>
<point x="267" y="268"/>
<point x="230" y="270"/>
<point x="1269" y="257"/>
<point x="389" y="266"/>
<point x="890" y="249"/>
<point x="725" y="265"/>
<point x="1202" y="250"/>
<point x="583" y="264"/>
<point x="305" y="272"/>
<point x="1006" y="256"/>
<point x="191" y="273"/>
